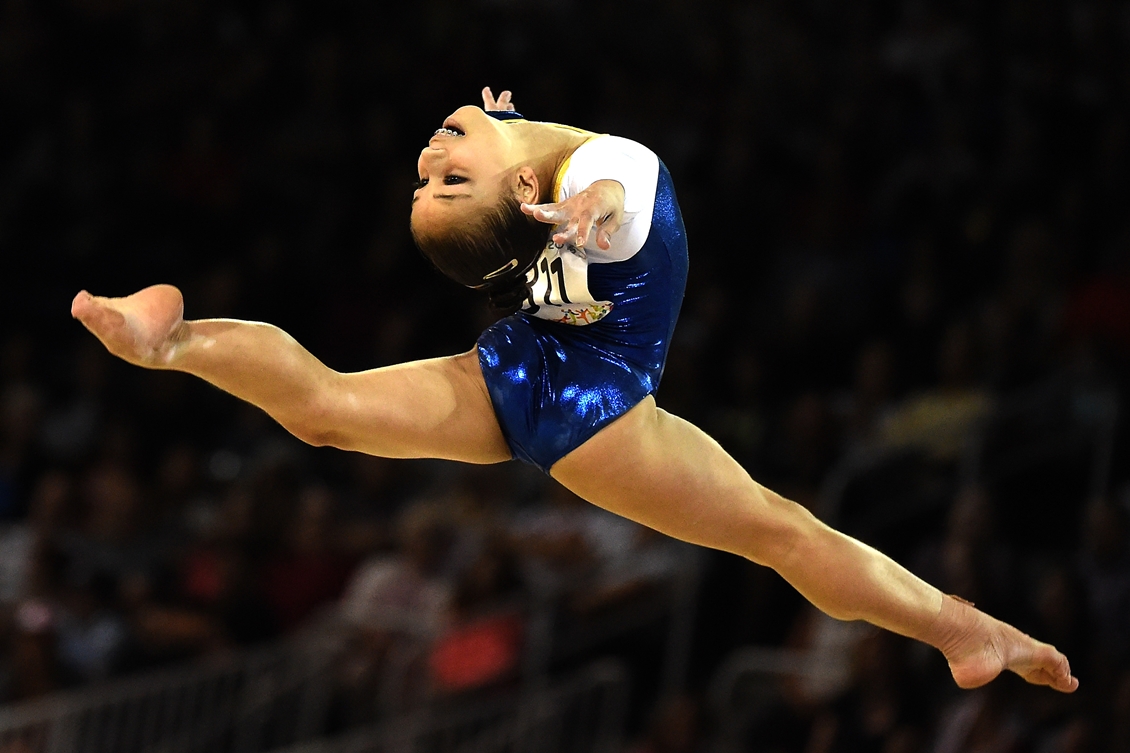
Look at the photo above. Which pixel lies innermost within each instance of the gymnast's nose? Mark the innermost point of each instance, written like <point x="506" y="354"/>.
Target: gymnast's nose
<point x="430" y="159"/>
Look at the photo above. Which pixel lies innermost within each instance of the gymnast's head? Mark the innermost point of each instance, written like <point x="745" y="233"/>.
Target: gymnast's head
<point x="466" y="210"/>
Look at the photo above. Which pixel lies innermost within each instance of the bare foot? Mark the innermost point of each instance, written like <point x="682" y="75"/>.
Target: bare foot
<point x="142" y="328"/>
<point x="979" y="647"/>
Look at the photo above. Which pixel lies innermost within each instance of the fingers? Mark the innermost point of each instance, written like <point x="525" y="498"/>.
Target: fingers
<point x="551" y="214"/>
<point x="583" y="228"/>
<point x="502" y="103"/>
<point x="603" y="239"/>
<point x="554" y="214"/>
<point x="579" y="228"/>
<point x="576" y="231"/>
<point x="607" y="227"/>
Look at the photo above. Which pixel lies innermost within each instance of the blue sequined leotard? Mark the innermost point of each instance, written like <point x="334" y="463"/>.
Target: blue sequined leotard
<point x="574" y="360"/>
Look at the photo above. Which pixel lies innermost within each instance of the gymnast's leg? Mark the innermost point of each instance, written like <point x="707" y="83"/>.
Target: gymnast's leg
<point x="437" y="408"/>
<point x="663" y="472"/>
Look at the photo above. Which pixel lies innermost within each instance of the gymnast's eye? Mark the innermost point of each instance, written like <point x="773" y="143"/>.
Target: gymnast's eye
<point x="453" y="180"/>
<point x="420" y="183"/>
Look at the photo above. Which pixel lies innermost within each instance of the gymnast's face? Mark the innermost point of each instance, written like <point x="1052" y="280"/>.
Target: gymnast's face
<point x="463" y="170"/>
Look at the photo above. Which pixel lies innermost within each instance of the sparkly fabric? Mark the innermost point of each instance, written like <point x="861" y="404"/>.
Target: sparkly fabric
<point x="553" y="385"/>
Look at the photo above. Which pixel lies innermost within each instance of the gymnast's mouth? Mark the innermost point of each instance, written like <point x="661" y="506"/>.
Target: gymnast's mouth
<point x="450" y="128"/>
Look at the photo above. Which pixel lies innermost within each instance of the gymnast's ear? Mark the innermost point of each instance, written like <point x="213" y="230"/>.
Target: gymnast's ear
<point x="525" y="184"/>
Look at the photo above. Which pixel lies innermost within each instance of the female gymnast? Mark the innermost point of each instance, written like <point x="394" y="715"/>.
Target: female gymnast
<point x="566" y="382"/>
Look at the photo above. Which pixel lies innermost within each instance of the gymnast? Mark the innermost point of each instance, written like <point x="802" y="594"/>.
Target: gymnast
<point x="579" y="235"/>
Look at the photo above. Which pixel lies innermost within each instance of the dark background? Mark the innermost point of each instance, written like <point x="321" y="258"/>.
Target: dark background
<point x="908" y="257"/>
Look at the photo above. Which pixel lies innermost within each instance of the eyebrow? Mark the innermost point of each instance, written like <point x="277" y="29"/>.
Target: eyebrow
<point x="448" y="196"/>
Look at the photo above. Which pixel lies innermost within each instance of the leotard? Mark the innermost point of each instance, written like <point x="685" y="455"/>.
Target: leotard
<point x="591" y="340"/>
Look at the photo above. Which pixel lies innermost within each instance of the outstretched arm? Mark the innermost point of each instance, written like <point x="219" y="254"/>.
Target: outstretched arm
<point x="435" y="408"/>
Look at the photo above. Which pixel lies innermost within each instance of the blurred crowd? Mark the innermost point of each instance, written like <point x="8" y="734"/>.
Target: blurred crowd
<point x="908" y="309"/>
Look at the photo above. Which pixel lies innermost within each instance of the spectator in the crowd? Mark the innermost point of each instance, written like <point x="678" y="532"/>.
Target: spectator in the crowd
<point x="405" y="591"/>
<point x="311" y="570"/>
<point x="940" y="420"/>
<point x="70" y="432"/>
<point x="30" y="669"/>
<point x="25" y="545"/>
<point x="871" y="400"/>
<point x="675" y="726"/>
<point x="395" y="605"/>
<point x="590" y="558"/>
<point x="116" y="533"/>
<point x="484" y="639"/>
<point x="91" y="634"/>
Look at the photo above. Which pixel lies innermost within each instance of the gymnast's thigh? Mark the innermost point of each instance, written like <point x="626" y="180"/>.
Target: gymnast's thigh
<point x="665" y="473"/>
<point x="436" y="408"/>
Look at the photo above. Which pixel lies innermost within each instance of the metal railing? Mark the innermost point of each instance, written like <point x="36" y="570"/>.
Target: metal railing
<point x="288" y="693"/>
<point x="673" y="599"/>
<point x="245" y="703"/>
<point x="747" y="689"/>
<point x="585" y="714"/>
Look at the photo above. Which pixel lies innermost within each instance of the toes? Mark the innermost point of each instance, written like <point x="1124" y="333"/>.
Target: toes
<point x="1053" y="662"/>
<point x="80" y="304"/>
<point x="1051" y="668"/>
<point x="98" y="318"/>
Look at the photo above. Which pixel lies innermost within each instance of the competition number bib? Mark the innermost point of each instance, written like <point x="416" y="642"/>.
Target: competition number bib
<point x="558" y="289"/>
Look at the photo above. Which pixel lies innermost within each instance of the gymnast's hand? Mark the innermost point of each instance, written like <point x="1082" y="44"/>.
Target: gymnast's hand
<point x="142" y="328"/>
<point x="502" y="103"/>
<point x="599" y="208"/>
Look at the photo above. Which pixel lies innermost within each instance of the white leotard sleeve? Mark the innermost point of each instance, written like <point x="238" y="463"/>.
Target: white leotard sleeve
<point x="632" y="165"/>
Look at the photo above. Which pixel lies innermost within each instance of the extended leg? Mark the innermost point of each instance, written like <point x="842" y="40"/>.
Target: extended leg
<point x="663" y="472"/>
<point x="438" y="408"/>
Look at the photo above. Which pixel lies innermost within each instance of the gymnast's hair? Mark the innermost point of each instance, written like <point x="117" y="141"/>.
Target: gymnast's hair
<point x="491" y="254"/>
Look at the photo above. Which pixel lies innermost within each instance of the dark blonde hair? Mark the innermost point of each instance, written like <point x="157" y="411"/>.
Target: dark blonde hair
<point x="491" y="254"/>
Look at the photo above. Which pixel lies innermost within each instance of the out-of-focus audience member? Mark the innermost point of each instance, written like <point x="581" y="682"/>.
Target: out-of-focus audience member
<point x="484" y="638"/>
<point x="588" y="557"/>
<point x="675" y="726"/>
<point x="396" y="604"/>
<point x="311" y="569"/>
<point x="940" y="420"/>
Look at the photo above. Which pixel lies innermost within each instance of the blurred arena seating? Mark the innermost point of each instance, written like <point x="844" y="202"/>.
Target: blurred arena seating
<point x="908" y="309"/>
